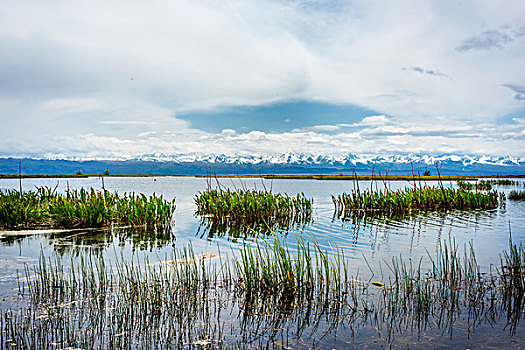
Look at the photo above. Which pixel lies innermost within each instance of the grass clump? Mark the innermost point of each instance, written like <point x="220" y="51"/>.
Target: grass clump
<point x="481" y="185"/>
<point x="252" y="209"/>
<point x="504" y="182"/>
<point x="409" y="200"/>
<point x="81" y="209"/>
<point x="517" y="195"/>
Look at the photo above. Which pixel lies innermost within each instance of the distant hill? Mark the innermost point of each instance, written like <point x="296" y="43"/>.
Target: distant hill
<point x="288" y="163"/>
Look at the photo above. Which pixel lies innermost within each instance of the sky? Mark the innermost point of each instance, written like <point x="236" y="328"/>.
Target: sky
<point x="124" y="79"/>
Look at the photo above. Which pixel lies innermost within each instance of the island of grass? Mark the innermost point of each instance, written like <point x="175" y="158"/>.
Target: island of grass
<point x="84" y="208"/>
<point x="517" y="195"/>
<point x="253" y="206"/>
<point x="504" y="182"/>
<point x="415" y="199"/>
<point x="481" y="185"/>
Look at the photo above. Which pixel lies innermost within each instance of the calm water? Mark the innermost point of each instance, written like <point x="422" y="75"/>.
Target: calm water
<point x="368" y="245"/>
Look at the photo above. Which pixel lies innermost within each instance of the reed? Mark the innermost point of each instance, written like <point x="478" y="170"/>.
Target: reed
<point x="481" y="185"/>
<point x="517" y="195"/>
<point x="257" y="211"/>
<point x="504" y="182"/>
<point x="414" y="199"/>
<point x="81" y="209"/>
<point x="265" y="291"/>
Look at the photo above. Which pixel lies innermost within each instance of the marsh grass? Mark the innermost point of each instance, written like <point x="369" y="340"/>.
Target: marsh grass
<point x="245" y="212"/>
<point x="505" y="182"/>
<point x="482" y="185"/>
<point x="268" y="296"/>
<point x="82" y="209"/>
<point x="414" y="199"/>
<point x="517" y="195"/>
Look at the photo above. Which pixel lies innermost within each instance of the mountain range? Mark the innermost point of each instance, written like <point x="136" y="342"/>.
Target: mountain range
<point x="287" y="163"/>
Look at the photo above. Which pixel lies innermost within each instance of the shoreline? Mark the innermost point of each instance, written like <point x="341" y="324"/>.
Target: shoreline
<point x="275" y="176"/>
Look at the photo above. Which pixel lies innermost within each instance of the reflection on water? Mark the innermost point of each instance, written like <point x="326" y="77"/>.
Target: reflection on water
<point x="234" y="229"/>
<point x="74" y="242"/>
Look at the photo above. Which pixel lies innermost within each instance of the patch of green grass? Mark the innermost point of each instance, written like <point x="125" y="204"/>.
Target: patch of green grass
<point x="481" y="185"/>
<point x="82" y="209"/>
<point x="241" y="211"/>
<point x="504" y="182"/>
<point x="410" y="200"/>
<point x="517" y="195"/>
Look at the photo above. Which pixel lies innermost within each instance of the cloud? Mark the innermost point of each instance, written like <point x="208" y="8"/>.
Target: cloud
<point x="124" y="122"/>
<point x="375" y="120"/>
<point x="319" y="128"/>
<point x="87" y="78"/>
<point x="426" y="71"/>
<point x="374" y="135"/>
<point x="490" y="39"/>
<point x="518" y="89"/>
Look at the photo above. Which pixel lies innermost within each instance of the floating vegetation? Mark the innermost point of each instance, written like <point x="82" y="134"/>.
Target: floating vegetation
<point x="415" y="199"/>
<point x="82" y="209"/>
<point x="481" y="185"/>
<point x="266" y="297"/>
<point x="244" y="212"/>
<point x="517" y="195"/>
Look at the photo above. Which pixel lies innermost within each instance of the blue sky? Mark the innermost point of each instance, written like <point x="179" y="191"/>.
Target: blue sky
<point x="121" y="79"/>
<point x="276" y="117"/>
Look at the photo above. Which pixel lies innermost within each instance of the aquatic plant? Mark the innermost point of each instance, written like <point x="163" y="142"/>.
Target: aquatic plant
<point x="270" y="294"/>
<point x="256" y="211"/>
<point x="517" y="195"/>
<point x="82" y="208"/>
<point x="414" y="199"/>
<point x="464" y="185"/>
<point x="481" y="185"/>
<point x="504" y="182"/>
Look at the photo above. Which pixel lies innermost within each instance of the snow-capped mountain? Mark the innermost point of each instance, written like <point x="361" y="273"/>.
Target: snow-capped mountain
<point x="347" y="159"/>
<point x="289" y="163"/>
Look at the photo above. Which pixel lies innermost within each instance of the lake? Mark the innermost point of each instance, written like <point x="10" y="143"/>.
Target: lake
<point x="368" y="246"/>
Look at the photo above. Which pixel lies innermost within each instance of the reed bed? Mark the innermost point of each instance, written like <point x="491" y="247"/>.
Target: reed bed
<point x="268" y="296"/>
<point x="481" y="185"/>
<point x="505" y="182"/>
<point x="241" y="211"/>
<point x="414" y="199"/>
<point x="82" y="209"/>
<point x="517" y="195"/>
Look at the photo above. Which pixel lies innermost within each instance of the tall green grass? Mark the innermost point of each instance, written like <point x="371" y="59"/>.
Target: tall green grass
<point x="81" y="209"/>
<point x="504" y="182"/>
<point x="481" y="185"/>
<point x="517" y="195"/>
<point x="242" y="212"/>
<point x="414" y="199"/>
<point x="305" y="292"/>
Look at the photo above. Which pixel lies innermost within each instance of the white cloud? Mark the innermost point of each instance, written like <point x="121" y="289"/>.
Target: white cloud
<point x="124" y="122"/>
<point x="319" y="128"/>
<point x="487" y="139"/>
<point x="375" y="120"/>
<point x="91" y="76"/>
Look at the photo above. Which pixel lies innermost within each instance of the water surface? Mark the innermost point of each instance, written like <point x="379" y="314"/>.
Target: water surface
<point x="369" y="245"/>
